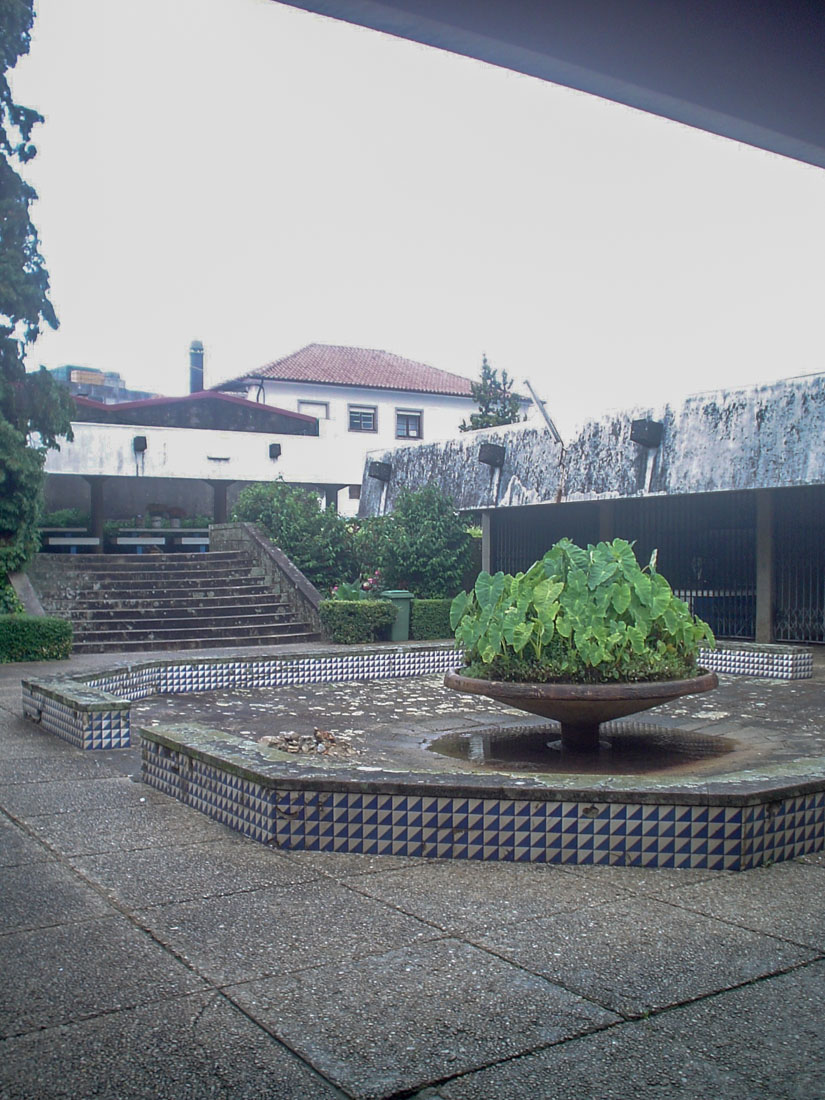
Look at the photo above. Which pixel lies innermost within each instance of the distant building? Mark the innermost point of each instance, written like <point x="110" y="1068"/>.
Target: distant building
<point x="364" y="400"/>
<point x="107" y="387"/>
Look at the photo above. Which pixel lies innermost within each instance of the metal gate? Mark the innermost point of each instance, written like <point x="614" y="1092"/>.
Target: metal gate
<point x="799" y="564"/>
<point x="706" y="545"/>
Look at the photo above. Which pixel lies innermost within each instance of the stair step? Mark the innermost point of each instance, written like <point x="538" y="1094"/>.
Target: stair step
<point x="185" y="630"/>
<point x="227" y="641"/>
<point x="184" y="584"/>
<point x="224" y="605"/>
<point x="171" y="601"/>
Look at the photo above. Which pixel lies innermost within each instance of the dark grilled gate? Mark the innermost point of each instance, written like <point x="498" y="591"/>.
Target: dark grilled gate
<point x="799" y="564"/>
<point x="706" y="544"/>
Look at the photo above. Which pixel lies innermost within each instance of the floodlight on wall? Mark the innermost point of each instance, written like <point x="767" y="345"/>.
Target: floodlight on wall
<point x="139" y="444"/>
<point x="647" y="433"/>
<point x="381" y="471"/>
<point x="492" y="454"/>
<point x="274" y="450"/>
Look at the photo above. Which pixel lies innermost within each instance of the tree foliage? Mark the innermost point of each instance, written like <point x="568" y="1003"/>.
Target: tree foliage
<point x="423" y="545"/>
<point x="497" y="404"/>
<point x="34" y="409"/>
<point x="318" y="542"/>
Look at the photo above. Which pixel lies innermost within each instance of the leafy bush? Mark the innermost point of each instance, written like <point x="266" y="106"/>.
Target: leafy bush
<point x="430" y="619"/>
<point x="422" y="546"/>
<point x="586" y="616"/>
<point x="65" y="517"/>
<point x="34" y="638"/>
<point x="365" y="588"/>
<point x="9" y="601"/>
<point x="318" y="542"/>
<point x="350" y="621"/>
<point x="21" y="484"/>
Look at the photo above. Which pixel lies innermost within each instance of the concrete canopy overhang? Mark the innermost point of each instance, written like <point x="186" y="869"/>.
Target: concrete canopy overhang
<point x="748" y="71"/>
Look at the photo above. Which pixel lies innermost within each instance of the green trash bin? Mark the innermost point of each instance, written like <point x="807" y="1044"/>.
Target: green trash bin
<point x="401" y="598"/>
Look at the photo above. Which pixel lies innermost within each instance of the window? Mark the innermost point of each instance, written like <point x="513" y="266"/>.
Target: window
<point x="407" y="424"/>
<point x="363" y="418"/>
<point x="314" y="408"/>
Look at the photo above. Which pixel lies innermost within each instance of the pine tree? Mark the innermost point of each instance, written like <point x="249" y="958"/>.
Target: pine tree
<point x="34" y="409"/>
<point x="497" y="404"/>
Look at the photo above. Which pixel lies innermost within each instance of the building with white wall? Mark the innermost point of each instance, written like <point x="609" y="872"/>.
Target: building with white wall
<point x="364" y="400"/>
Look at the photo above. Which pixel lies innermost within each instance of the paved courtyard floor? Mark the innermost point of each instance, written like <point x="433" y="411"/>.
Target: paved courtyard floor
<point x="147" y="951"/>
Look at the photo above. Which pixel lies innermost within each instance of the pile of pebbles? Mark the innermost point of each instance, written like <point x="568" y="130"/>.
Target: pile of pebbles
<point x="319" y="741"/>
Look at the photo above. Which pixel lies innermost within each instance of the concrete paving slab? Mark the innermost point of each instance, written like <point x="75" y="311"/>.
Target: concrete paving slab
<point x="126" y="828"/>
<point x="465" y="898"/>
<point x="280" y="929"/>
<point x="55" y="766"/>
<point x="93" y="797"/>
<point x="641" y="954"/>
<point x="160" y="876"/>
<point x="394" y="1021"/>
<point x="55" y="975"/>
<point x="25" y="740"/>
<point x="630" y="1062"/>
<point x="653" y="882"/>
<point x="343" y="865"/>
<point x="16" y="847"/>
<point x="188" y="1048"/>
<point x="769" y="1033"/>
<point x="785" y="900"/>
<point x="51" y="897"/>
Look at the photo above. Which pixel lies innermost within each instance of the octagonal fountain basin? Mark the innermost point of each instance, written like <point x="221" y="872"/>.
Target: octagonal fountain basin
<point x="581" y="708"/>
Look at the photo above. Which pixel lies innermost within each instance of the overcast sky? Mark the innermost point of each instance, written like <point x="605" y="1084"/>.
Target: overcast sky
<point x="260" y="178"/>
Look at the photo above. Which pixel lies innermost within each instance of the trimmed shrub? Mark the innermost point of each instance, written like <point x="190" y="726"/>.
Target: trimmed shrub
<point x="350" y="621"/>
<point x="430" y="619"/>
<point x="34" y="638"/>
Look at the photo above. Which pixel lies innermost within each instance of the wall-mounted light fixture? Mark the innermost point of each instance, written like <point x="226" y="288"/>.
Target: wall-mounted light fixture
<point x="274" y="450"/>
<point x="647" y="433"/>
<point x="381" y="471"/>
<point x="492" y="454"/>
<point x="139" y="444"/>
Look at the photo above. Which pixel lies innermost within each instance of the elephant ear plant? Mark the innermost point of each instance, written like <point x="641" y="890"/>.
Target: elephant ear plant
<point x="579" y="616"/>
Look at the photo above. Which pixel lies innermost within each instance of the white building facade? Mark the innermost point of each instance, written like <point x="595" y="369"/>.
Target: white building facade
<point x="365" y="400"/>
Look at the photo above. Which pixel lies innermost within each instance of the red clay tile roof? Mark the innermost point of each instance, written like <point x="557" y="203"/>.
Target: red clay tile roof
<point x="359" y="367"/>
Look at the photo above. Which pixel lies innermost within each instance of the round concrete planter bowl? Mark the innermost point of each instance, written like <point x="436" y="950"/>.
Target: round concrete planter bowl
<point x="581" y="708"/>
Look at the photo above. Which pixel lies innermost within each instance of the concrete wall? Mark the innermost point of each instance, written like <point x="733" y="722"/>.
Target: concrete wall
<point x="762" y="437"/>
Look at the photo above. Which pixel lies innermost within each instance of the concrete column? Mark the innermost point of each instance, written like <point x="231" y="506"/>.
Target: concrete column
<point x="486" y="541"/>
<point x="97" y="514"/>
<point x="764" y="566"/>
<point x="219" y="510"/>
<point x="606" y="520"/>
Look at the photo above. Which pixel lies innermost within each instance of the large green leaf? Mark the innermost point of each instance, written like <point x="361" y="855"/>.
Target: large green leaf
<point x="458" y="608"/>
<point x="522" y="635"/>
<point x="620" y="597"/>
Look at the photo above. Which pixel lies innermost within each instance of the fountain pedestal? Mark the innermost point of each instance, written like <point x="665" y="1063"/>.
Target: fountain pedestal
<point x="581" y="708"/>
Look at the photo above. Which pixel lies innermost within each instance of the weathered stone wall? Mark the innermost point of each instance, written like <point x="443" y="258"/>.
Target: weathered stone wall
<point x="769" y="436"/>
<point x="282" y="576"/>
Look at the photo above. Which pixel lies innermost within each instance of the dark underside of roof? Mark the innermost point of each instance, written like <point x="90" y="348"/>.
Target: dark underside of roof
<point x="751" y="70"/>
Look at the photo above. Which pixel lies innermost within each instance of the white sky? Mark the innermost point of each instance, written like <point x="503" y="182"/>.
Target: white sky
<point x="260" y="178"/>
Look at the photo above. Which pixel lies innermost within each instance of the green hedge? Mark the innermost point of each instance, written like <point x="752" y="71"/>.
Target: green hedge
<point x="351" y="621"/>
<point x="430" y="619"/>
<point x="34" y="638"/>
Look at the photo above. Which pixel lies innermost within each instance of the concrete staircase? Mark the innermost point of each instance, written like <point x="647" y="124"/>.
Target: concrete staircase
<point x="165" y="601"/>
